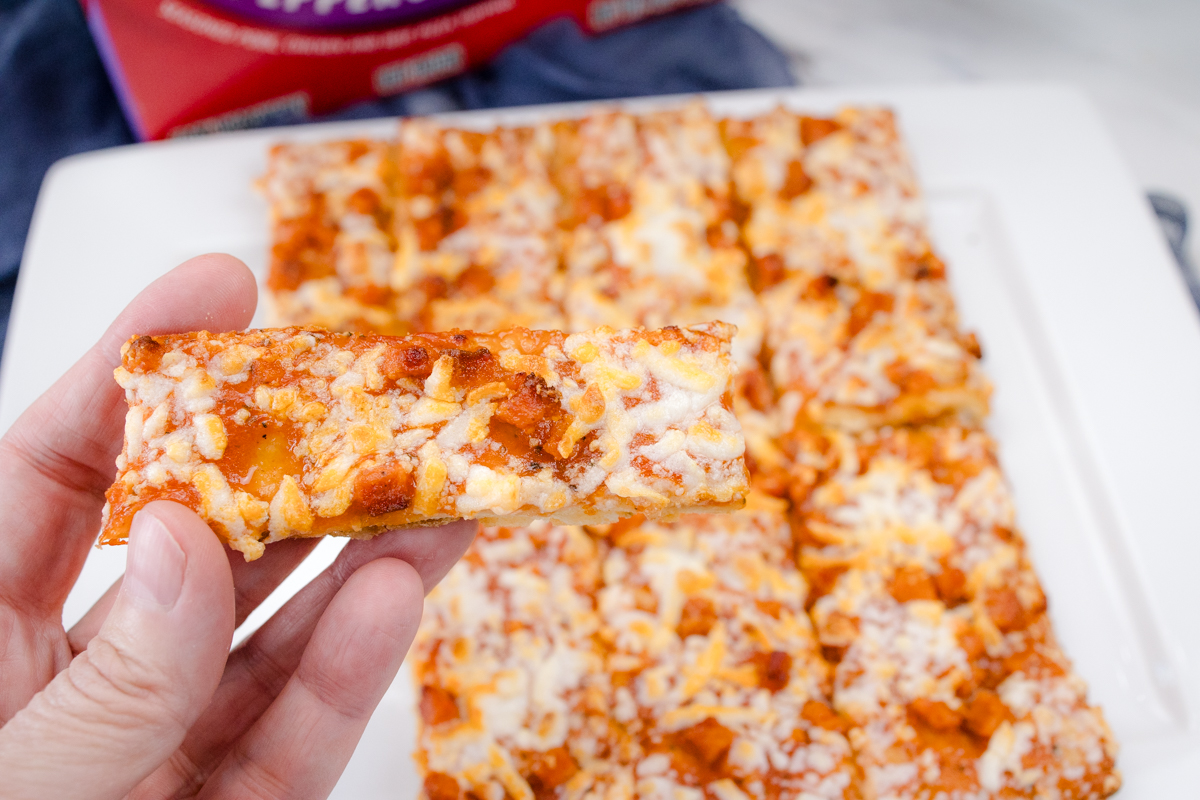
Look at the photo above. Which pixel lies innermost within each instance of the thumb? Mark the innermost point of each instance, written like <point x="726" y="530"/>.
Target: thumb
<point x="123" y="705"/>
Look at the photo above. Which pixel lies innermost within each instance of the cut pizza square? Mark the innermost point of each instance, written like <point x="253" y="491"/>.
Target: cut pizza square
<point x="476" y="219"/>
<point x="861" y="329"/>
<point x="946" y="704"/>
<point x="715" y="670"/>
<point x="512" y="691"/>
<point x="924" y="598"/>
<point x="833" y="195"/>
<point x="333" y="247"/>
<point x="842" y="356"/>
<point x="278" y="433"/>
<point x="929" y="503"/>
<point x="649" y="232"/>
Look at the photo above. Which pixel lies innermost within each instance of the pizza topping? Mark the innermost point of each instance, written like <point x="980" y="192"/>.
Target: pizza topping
<point x="822" y="716"/>
<point x="774" y="670"/>
<point x="375" y="432"/>
<point x="550" y="769"/>
<point x="912" y="583"/>
<point x="708" y="740"/>
<point x="766" y="271"/>
<point x="984" y="713"/>
<point x="437" y="705"/>
<point x="813" y="129"/>
<point x="440" y="786"/>
<point x="951" y="585"/>
<point x="698" y="617"/>
<point x="936" y="714"/>
<point x="796" y="183"/>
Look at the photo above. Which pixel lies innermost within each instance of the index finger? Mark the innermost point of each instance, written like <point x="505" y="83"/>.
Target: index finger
<point x="58" y="458"/>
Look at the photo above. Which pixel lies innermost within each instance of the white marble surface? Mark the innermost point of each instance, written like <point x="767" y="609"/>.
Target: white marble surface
<point x="1138" y="60"/>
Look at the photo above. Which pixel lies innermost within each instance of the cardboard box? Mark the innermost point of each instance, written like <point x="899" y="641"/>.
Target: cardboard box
<point x="183" y="67"/>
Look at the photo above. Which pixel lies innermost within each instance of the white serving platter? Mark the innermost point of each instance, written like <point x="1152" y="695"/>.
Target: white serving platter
<point x="1087" y="330"/>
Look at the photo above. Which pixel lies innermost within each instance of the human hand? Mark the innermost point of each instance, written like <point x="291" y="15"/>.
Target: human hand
<point x="142" y="698"/>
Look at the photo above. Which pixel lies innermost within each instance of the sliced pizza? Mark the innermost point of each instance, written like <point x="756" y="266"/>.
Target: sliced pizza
<point x="333" y="247"/>
<point x="716" y="673"/>
<point x="513" y="696"/>
<point x="834" y="195"/>
<point x="276" y="433"/>
<point x="648" y="229"/>
<point x="840" y="355"/>
<point x="476" y="229"/>
<point x="925" y="600"/>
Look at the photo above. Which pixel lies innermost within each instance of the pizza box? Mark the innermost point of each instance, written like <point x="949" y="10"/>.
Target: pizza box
<point x="186" y="67"/>
<point x="1087" y="329"/>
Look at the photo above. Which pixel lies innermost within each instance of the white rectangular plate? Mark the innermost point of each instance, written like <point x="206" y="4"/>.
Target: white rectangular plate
<point x="1087" y="333"/>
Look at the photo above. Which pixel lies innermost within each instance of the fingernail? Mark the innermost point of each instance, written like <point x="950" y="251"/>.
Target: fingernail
<point x="155" y="565"/>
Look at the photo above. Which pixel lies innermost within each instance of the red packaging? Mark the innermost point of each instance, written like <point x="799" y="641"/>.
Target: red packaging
<point x="184" y="67"/>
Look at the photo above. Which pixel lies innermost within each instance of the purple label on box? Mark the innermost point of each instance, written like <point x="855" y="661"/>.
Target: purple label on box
<point x="335" y="14"/>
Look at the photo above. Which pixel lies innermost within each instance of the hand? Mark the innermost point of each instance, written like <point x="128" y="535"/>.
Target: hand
<point x="142" y="698"/>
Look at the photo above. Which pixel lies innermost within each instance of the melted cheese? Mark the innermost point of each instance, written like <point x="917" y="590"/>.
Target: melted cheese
<point x="341" y="420"/>
<point x="620" y="219"/>
<point x="739" y="567"/>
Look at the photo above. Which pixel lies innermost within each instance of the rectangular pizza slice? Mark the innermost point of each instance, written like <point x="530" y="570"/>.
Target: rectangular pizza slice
<point x="841" y="355"/>
<point x="331" y="207"/>
<point x="716" y="673"/>
<point x="513" y="696"/>
<point x="861" y="329"/>
<point x="942" y="706"/>
<point x="476" y="226"/>
<point x="925" y="599"/>
<point x="270" y="434"/>
<point x="648" y="229"/>
<point x="835" y="195"/>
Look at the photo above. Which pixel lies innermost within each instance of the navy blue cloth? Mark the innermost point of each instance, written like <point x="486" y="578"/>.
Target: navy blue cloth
<point x="708" y="49"/>
<point x="55" y="99"/>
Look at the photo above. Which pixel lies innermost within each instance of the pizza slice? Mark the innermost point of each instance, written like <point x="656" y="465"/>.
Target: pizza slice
<point x="833" y="195"/>
<point x="861" y="328"/>
<point x="271" y="434"/>
<point x="512" y="690"/>
<point x="333" y="247"/>
<point x="841" y="355"/>
<point x="925" y="599"/>
<point x="476" y="219"/>
<point x="716" y="672"/>
<point x="945" y="705"/>
<point x="649" y="237"/>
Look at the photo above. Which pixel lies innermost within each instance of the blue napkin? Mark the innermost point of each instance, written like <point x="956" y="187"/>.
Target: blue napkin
<point x="55" y="99"/>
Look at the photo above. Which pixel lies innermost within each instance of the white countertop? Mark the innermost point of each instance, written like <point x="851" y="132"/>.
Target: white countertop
<point x="1138" y="60"/>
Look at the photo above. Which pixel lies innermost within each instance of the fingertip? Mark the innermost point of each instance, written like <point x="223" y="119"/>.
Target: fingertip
<point x="391" y="582"/>
<point x="204" y="550"/>
<point x="430" y="551"/>
<point x="229" y="278"/>
<point x="206" y="599"/>
<point x="384" y="598"/>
